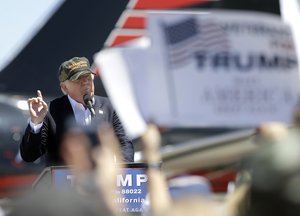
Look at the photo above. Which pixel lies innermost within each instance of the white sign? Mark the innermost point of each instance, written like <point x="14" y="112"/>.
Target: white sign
<point x="210" y="69"/>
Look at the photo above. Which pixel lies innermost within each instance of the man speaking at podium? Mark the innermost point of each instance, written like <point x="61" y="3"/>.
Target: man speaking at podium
<point x="47" y="126"/>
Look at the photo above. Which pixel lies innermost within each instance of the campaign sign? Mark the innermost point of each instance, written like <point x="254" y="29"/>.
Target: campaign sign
<point x="131" y="185"/>
<point x="223" y="68"/>
<point x="204" y="69"/>
<point x="131" y="189"/>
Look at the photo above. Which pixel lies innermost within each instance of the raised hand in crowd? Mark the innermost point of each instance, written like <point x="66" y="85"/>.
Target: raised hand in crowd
<point x="157" y="185"/>
<point x="108" y="158"/>
<point x="76" y="152"/>
<point x="94" y="168"/>
<point x="161" y="201"/>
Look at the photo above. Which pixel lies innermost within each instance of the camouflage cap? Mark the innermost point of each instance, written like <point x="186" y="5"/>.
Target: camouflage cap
<point x="74" y="68"/>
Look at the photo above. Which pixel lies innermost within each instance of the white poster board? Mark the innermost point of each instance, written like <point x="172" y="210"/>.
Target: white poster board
<point x="216" y="69"/>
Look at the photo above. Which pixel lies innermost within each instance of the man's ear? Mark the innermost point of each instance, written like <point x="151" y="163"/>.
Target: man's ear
<point x="64" y="88"/>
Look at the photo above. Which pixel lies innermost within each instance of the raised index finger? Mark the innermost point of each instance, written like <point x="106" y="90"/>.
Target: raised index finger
<point x="39" y="94"/>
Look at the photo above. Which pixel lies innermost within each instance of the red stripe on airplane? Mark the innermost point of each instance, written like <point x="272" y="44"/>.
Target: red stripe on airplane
<point x="164" y="4"/>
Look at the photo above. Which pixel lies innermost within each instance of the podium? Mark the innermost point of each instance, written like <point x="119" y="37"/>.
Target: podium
<point x="131" y="184"/>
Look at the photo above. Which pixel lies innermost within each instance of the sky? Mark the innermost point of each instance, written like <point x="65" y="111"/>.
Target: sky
<point x="19" y="22"/>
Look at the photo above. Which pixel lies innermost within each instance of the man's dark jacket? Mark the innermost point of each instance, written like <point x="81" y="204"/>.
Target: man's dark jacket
<point x="48" y="140"/>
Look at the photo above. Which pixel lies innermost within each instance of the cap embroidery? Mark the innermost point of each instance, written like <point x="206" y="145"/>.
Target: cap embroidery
<point x="77" y="65"/>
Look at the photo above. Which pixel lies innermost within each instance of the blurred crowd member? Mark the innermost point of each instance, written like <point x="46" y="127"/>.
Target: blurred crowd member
<point x="79" y="104"/>
<point x="159" y="195"/>
<point x="62" y="202"/>
<point x="108" y="164"/>
<point x="157" y="184"/>
<point x="267" y="135"/>
<point x="269" y="179"/>
<point x="76" y="152"/>
<point x="275" y="177"/>
<point x="95" y="168"/>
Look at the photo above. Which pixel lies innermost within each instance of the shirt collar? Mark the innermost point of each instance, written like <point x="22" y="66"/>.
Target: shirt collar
<point x="74" y="103"/>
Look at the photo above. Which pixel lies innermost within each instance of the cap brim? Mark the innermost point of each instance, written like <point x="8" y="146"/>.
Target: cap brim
<point x="81" y="73"/>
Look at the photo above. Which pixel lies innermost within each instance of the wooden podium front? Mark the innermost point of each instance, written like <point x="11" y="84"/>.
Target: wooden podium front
<point x="131" y="184"/>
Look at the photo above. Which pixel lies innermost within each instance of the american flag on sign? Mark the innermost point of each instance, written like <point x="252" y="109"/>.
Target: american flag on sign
<point x="190" y="35"/>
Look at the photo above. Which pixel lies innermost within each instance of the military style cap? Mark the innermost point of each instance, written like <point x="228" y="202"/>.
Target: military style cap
<point x="74" y="68"/>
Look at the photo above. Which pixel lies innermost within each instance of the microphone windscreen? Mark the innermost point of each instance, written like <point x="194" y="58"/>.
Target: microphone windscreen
<point x="88" y="102"/>
<point x="87" y="98"/>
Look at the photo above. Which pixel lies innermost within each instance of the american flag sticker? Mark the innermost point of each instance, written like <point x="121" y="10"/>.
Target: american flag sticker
<point x="188" y="36"/>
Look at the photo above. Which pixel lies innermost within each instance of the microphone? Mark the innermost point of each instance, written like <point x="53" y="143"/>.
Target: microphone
<point x="89" y="104"/>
